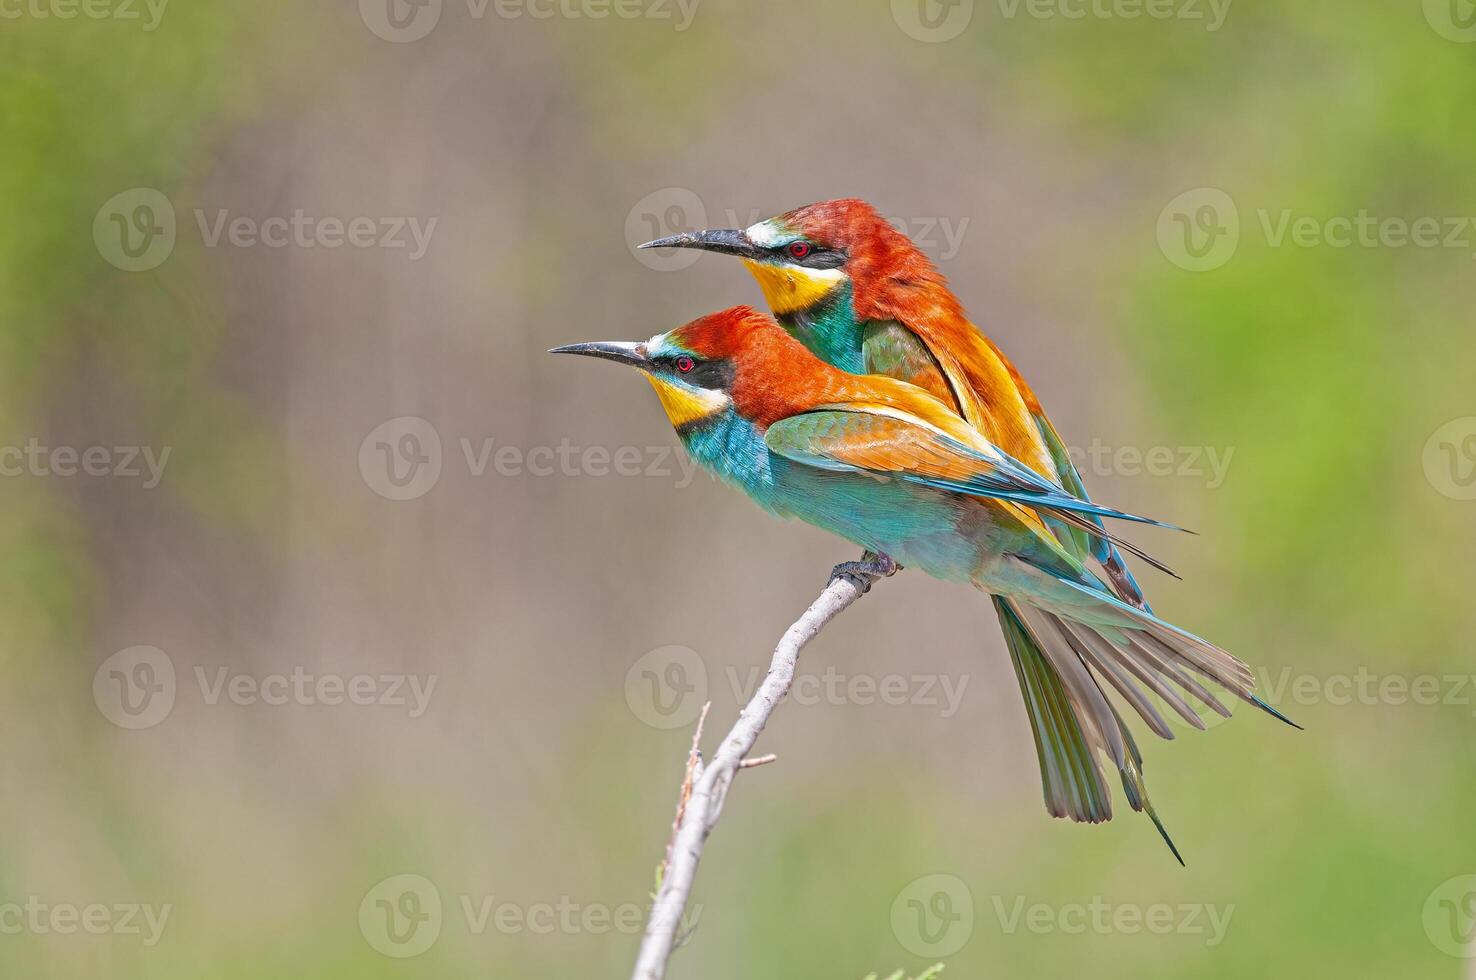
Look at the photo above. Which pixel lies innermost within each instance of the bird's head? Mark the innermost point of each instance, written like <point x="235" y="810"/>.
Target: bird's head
<point x="736" y="360"/>
<point x="803" y="257"/>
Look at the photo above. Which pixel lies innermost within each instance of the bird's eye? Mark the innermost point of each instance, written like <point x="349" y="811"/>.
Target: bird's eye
<point x="799" y="249"/>
<point x="685" y="364"/>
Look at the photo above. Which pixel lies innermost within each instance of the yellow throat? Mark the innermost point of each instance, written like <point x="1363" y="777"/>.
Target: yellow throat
<point x="789" y="288"/>
<point x="685" y="405"/>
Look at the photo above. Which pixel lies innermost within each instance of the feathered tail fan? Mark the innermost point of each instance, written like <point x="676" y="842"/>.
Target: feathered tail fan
<point x="1060" y="663"/>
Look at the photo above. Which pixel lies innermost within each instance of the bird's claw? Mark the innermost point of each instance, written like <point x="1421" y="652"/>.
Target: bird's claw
<point x="865" y="572"/>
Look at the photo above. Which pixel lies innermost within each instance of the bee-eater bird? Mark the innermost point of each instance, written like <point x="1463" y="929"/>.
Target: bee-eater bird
<point x="864" y="298"/>
<point x="889" y="466"/>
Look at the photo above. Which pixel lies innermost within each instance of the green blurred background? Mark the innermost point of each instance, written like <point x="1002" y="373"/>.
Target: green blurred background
<point x="1058" y="167"/>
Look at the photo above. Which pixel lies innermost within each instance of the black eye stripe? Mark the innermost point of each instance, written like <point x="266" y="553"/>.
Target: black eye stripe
<point x="717" y="375"/>
<point x="819" y="256"/>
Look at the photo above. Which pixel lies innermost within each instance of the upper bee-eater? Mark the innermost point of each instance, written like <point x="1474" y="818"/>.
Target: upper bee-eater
<point x="864" y="298"/>
<point x="891" y="467"/>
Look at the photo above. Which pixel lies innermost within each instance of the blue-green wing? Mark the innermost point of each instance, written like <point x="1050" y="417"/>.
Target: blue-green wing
<point x="855" y="438"/>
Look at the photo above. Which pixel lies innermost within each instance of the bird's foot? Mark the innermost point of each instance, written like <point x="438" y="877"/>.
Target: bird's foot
<point x="872" y="566"/>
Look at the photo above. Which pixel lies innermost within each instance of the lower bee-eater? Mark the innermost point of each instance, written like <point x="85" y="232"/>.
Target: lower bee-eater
<point x="885" y="464"/>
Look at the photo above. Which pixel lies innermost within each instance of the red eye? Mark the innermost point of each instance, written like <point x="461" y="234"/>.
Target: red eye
<point x="685" y="364"/>
<point x="799" y="249"/>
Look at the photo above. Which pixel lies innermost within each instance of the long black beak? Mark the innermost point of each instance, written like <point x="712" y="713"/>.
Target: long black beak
<point x="610" y="350"/>
<point x="729" y="241"/>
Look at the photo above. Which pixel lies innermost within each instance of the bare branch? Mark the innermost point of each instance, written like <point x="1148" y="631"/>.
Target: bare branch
<point x="699" y="813"/>
<point x="762" y="760"/>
